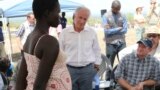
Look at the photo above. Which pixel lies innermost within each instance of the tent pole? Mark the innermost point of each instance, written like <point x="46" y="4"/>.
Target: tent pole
<point x="10" y="40"/>
<point x="6" y="27"/>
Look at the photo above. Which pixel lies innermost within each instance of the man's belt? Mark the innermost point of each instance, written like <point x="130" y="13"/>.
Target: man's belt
<point x="79" y="67"/>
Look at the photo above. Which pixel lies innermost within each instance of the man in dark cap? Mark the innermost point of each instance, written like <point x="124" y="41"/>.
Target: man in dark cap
<point x="115" y="27"/>
<point x="138" y="70"/>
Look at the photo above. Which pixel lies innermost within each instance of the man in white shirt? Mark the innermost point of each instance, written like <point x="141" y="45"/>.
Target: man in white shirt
<point x="25" y="29"/>
<point x="83" y="52"/>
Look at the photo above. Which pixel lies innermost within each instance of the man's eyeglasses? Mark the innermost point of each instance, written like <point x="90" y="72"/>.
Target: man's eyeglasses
<point x="152" y="35"/>
<point x="153" y="2"/>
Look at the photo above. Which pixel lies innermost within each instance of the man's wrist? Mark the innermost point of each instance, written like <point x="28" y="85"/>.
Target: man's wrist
<point x="142" y="83"/>
<point x="129" y="87"/>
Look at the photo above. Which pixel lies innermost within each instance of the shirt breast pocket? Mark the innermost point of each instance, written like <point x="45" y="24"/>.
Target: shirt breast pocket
<point x="120" y="22"/>
<point x="87" y="46"/>
<point x="71" y="44"/>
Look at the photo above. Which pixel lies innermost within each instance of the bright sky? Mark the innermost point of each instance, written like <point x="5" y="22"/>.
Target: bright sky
<point x="127" y="5"/>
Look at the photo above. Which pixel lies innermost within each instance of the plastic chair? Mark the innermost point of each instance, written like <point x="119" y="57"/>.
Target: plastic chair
<point x="105" y="74"/>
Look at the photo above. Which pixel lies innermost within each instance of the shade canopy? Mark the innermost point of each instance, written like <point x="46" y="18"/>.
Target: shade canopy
<point x="17" y="8"/>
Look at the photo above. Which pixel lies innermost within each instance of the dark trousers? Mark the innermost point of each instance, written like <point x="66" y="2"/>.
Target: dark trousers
<point x="82" y="77"/>
<point x="157" y="87"/>
<point x="113" y="49"/>
<point x="111" y="52"/>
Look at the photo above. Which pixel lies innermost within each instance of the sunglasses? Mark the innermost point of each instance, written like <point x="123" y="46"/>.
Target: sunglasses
<point x="153" y="3"/>
<point x="152" y="35"/>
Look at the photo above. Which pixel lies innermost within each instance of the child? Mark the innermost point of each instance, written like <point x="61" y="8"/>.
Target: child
<point x="4" y="65"/>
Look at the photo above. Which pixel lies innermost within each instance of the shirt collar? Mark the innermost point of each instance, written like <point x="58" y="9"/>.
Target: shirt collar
<point x="72" y="29"/>
<point x="30" y="25"/>
<point x="143" y="59"/>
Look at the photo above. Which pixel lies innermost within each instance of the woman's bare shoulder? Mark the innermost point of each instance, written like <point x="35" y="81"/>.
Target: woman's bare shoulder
<point x="48" y="41"/>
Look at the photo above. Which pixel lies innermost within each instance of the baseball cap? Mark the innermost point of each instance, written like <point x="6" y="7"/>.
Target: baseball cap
<point x="147" y="42"/>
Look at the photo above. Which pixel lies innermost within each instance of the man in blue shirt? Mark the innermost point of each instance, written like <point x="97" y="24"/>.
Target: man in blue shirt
<point x="115" y="27"/>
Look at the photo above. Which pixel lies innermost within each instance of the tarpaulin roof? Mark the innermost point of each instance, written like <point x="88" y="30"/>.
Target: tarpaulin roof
<point x="16" y="8"/>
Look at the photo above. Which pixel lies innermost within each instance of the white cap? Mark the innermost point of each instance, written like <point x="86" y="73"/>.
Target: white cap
<point x="153" y="1"/>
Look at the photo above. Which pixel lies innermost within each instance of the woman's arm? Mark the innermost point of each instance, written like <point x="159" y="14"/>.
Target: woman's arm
<point x="47" y="50"/>
<point x="21" y="82"/>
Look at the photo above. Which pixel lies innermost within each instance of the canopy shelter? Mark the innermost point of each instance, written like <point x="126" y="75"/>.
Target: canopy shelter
<point x="19" y="8"/>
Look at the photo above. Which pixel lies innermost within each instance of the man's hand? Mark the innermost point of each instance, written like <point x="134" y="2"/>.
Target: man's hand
<point x="119" y="28"/>
<point x="134" y="88"/>
<point x="96" y="67"/>
<point x="107" y="26"/>
<point x="140" y="86"/>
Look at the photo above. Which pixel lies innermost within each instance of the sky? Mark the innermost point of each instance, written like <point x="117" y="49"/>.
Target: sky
<point x="128" y="6"/>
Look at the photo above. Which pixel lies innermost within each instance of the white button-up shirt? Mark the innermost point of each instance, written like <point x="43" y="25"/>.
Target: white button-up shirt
<point x="81" y="48"/>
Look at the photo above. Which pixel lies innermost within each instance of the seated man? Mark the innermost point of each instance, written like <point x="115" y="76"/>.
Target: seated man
<point x="138" y="70"/>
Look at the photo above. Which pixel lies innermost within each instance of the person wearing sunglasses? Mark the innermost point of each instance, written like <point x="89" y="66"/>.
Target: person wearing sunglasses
<point x="155" y="36"/>
<point x="152" y="32"/>
<point x="153" y="13"/>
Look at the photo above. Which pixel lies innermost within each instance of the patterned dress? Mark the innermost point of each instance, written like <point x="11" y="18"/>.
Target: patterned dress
<point x="59" y="79"/>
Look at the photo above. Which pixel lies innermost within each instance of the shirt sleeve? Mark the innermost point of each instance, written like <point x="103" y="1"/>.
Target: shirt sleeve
<point x="20" y="31"/>
<point x="97" y="50"/>
<point x="150" y="12"/>
<point x="125" y="26"/>
<point x="108" y="31"/>
<point x="156" y="74"/>
<point x="120" y="70"/>
<point x="61" y="41"/>
<point x="59" y="28"/>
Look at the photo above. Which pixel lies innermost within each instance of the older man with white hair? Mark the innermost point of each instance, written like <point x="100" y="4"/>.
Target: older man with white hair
<point x="80" y="44"/>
